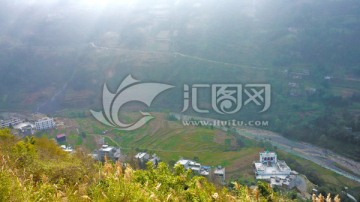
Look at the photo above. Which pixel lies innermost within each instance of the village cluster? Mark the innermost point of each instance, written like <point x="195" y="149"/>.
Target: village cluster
<point x="268" y="168"/>
<point x="27" y="124"/>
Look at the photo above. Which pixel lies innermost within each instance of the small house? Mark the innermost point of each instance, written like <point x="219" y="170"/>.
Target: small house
<point x="61" y="138"/>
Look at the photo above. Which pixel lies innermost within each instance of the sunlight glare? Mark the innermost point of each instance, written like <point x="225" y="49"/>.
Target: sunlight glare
<point x="101" y="3"/>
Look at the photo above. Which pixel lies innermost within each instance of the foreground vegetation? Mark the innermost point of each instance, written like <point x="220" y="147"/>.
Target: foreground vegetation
<point x="36" y="169"/>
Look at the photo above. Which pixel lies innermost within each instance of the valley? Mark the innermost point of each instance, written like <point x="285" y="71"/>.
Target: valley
<point x="170" y="140"/>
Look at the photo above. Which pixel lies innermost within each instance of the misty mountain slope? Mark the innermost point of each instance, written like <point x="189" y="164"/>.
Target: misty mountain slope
<point x="56" y="55"/>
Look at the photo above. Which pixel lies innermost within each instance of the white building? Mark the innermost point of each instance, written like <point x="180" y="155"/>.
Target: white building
<point x="188" y="164"/>
<point x="67" y="148"/>
<point x="154" y="159"/>
<point x="45" y="123"/>
<point x="268" y="157"/>
<point x="220" y="172"/>
<point x="25" y="128"/>
<point x="270" y="167"/>
<point x="10" y="122"/>
<point x="110" y="152"/>
<point x="142" y="156"/>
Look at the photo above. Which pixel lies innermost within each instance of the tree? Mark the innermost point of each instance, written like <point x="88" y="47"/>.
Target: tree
<point x="83" y="134"/>
<point x="196" y="159"/>
<point x="264" y="189"/>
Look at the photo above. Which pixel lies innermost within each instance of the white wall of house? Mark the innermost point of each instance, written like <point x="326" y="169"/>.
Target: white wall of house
<point x="45" y="123"/>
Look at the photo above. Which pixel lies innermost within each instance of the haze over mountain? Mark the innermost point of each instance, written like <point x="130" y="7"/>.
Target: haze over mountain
<point x="58" y="54"/>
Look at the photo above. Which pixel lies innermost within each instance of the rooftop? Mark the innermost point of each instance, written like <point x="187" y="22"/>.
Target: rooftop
<point x="189" y="164"/>
<point x="182" y="162"/>
<point x="140" y="155"/>
<point x="45" y="119"/>
<point x="60" y="136"/>
<point x="20" y="126"/>
<point x="67" y="148"/>
<point x="107" y="149"/>
<point x="219" y="171"/>
<point x="267" y="153"/>
<point x="267" y="167"/>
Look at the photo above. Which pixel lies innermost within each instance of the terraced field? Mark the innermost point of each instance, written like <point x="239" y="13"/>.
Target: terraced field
<point x="171" y="141"/>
